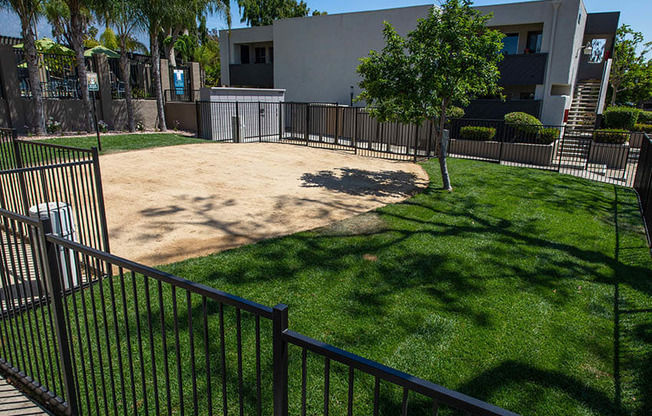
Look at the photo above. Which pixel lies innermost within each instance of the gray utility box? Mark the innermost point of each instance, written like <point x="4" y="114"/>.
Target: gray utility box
<point x="63" y="225"/>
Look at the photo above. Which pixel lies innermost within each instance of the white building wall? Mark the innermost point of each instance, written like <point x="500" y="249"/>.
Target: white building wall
<point x="315" y="58"/>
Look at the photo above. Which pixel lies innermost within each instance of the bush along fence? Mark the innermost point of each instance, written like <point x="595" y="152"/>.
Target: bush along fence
<point x="601" y="155"/>
<point x="643" y="184"/>
<point x="140" y="341"/>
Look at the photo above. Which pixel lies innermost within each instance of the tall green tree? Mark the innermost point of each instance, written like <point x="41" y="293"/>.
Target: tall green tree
<point x="630" y="69"/>
<point x="123" y="15"/>
<point x="28" y="12"/>
<point x="79" y="19"/>
<point x="264" y="12"/>
<point x="451" y="57"/>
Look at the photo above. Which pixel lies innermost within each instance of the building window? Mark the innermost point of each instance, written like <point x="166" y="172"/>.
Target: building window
<point x="510" y="44"/>
<point x="260" y="56"/>
<point x="526" y="96"/>
<point x="534" y="42"/>
<point x="244" y="54"/>
<point x="271" y="54"/>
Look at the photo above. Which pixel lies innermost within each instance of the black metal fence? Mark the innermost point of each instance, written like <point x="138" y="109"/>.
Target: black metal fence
<point x="57" y="75"/>
<point x="354" y="129"/>
<point x="181" y="94"/>
<point x="643" y="184"/>
<point x="96" y="334"/>
<point x="140" y="78"/>
<point x="61" y="182"/>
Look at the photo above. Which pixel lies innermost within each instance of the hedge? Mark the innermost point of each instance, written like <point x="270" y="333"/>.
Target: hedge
<point x="477" y="133"/>
<point x="454" y="112"/>
<point x="645" y="117"/>
<point x="621" y="117"/>
<point x="523" y="122"/>
<point x="643" y="128"/>
<point x="616" y="136"/>
<point x="547" y="136"/>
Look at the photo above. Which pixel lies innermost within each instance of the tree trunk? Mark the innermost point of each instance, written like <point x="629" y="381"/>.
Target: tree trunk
<point x="169" y="49"/>
<point x="156" y="74"/>
<point x="441" y="153"/>
<point x="125" y="69"/>
<point x="31" y="56"/>
<point x="77" y="35"/>
<point x="614" y="91"/>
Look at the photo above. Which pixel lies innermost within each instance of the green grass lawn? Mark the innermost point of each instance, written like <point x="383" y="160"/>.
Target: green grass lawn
<point x="527" y="289"/>
<point x="126" y="142"/>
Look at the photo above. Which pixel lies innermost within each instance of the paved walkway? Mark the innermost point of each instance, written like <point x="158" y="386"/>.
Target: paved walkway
<point x="15" y="403"/>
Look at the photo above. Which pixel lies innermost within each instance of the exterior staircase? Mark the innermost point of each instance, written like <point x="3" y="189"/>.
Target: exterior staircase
<point x="581" y="116"/>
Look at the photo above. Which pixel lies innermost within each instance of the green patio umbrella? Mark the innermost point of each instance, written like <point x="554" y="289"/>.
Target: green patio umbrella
<point x="101" y="50"/>
<point x="47" y="45"/>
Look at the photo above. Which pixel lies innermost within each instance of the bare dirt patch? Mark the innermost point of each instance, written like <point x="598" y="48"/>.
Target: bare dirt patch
<point x="171" y="203"/>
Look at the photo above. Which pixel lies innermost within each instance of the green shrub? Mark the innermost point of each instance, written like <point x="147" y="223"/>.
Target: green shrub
<point x="547" y="136"/>
<point x="453" y="112"/>
<point x="477" y="133"/>
<point x="523" y="122"/>
<point x="645" y="117"/>
<point x="616" y="136"/>
<point x="643" y="128"/>
<point x="621" y="117"/>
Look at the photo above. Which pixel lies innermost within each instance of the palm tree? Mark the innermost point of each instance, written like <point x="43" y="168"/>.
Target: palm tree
<point x="28" y="12"/>
<point x="123" y="15"/>
<point x="79" y="16"/>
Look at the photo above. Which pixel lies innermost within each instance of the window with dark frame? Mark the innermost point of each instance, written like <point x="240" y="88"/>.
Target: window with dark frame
<point x="534" y="42"/>
<point x="244" y="54"/>
<point x="261" y="56"/>
<point x="271" y="54"/>
<point x="510" y="44"/>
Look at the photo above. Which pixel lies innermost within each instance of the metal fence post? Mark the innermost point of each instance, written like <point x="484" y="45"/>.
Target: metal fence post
<point x="307" y="133"/>
<point x="100" y="199"/>
<point x="354" y="136"/>
<point x="337" y="123"/>
<point x="416" y="143"/>
<point x="198" y="111"/>
<point x="21" y="175"/>
<point x="237" y="122"/>
<point x="53" y="280"/>
<point x="280" y="121"/>
<point x="280" y="355"/>
<point x="260" y="123"/>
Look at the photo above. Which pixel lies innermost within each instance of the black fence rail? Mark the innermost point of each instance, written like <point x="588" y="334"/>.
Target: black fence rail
<point x="57" y="75"/>
<point x="181" y="95"/>
<point x="134" y="340"/>
<point x="580" y="153"/>
<point x="60" y="182"/>
<point x="643" y="185"/>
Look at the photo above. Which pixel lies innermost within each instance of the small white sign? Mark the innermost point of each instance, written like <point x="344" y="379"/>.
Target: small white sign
<point x="91" y="79"/>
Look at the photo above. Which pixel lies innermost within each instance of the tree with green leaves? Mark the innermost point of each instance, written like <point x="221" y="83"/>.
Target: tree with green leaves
<point x="28" y="12"/>
<point x="631" y="74"/>
<point x="264" y="12"/>
<point x="123" y="15"/>
<point x="451" y="57"/>
<point x="79" y="15"/>
<point x="208" y="56"/>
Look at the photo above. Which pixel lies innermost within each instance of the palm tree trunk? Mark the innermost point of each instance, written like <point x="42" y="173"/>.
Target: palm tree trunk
<point x="31" y="56"/>
<point x="156" y="74"/>
<point x="77" y="36"/>
<point x="125" y="69"/>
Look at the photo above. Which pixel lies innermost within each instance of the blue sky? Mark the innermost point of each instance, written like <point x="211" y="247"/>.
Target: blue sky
<point x="636" y="13"/>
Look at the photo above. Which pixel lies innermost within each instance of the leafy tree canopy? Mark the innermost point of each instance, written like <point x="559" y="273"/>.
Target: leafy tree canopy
<point x="631" y="71"/>
<point x="451" y="57"/>
<point x="264" y="12"/>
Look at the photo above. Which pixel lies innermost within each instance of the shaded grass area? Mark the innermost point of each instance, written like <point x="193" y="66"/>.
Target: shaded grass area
<point x="530" y="290"/>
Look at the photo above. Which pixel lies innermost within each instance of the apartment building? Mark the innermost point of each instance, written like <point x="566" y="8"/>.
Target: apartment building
<point x="556" y="65"/>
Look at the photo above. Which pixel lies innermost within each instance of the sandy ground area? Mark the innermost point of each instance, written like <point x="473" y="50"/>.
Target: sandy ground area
<point x="172" y="203"/>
